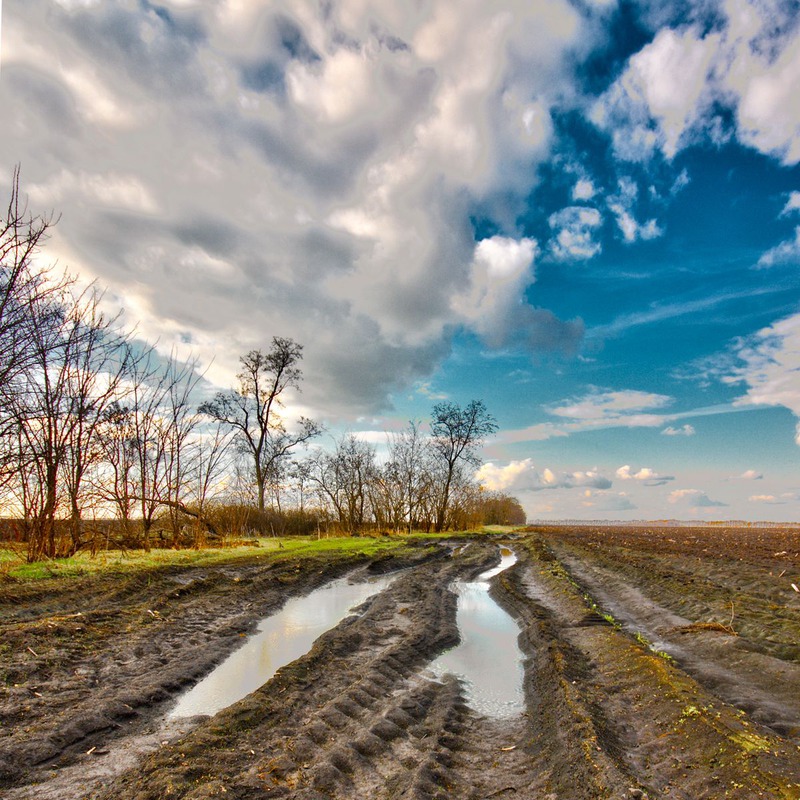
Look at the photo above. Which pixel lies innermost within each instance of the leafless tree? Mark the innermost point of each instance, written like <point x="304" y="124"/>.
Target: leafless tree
<point x="300" y="479"/>
<point x="343" y="479"/>
<point x="159" y="422"/>
<point x="115" y="483"/>
<point x="410" y="466"/>
<point x="252" y="411"/>
<point x="210" y="464"/>
<point x="30" y="302"/>
<point x="71" y="376"/>
<point x="95" y="379"/>
<point x="457" y="434"/>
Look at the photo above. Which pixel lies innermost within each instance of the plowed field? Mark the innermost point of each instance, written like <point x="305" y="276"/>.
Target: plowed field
<point x="658" y="663"/>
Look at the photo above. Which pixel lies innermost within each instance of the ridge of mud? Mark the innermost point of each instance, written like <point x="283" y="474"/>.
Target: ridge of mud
<point x="77" y="680"/>
<point x="761" y="685"/>
<point x="647" y="722"/>
<point x="350" y="708"/>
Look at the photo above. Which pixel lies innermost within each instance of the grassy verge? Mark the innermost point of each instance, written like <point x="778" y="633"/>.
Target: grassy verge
<point x="13" y="566"/>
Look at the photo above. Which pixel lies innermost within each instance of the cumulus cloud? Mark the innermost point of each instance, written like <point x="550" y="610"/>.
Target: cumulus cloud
<point x="234" y="171"/>
<point x="524" y="476"/>
<point x="584" y="189"/>
<point x="768" y="363"/>
<point x="769" y="499"/>
<point x="658" y="98"/>
<point x="575" y="229"/>
<point x="671" y="91"/>
<point x="695" y="499"/>
<point x="494" y="305"/>
<point x="684" y="430"/>
<point x="622" y="207"/>
<point x="645" y="475"/>
<point x="787" y="252"/>
<point x="751" y="475"/>
<point x="792" y="204"/>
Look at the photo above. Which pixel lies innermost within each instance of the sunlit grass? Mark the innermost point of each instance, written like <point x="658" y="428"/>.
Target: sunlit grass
<point x="13" y="565"/>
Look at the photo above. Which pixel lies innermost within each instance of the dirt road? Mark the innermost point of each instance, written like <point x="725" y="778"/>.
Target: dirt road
<point x="641" y="680"/>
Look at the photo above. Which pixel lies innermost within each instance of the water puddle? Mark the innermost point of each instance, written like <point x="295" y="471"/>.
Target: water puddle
<point x="488" y="658"/>
<point x="280" y="639"/>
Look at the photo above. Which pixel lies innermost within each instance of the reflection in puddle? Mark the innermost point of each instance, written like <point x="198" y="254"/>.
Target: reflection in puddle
<point x="488" y="659"/>
<point x="281" y="638"/>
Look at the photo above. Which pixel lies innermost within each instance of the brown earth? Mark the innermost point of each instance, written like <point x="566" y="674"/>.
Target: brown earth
<point x="659" y="663"/>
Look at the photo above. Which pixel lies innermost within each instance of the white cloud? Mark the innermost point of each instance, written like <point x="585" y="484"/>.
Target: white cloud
<point x="770" y="367"/>
<point x="424" y="388"/>
<point x="524" y="476"/>
<point x="665" y="99"/>
<point x="622" y="206"/>
<point x="575" y="229"/>
<point x="656" y="100"/>
<point x="751" y="475"/>
<point x="792" y="204"/>
<point x="645" y="475"/>
<point x="501" y="270"/>
<point x="695" y="499"/>
<point x="605" y="405"/>
<point x="493" y="302"/>
<point x="240" y="170"/>
<point x="681" y="182"/>
<point x="684" y="430"/>
<point x="110" y="190"/>
<point x="768" y="113"/>
<point x="769" y="499"/>
<point x="598" y="410"/>
<point x="583" y="189"/>
<point x="787" y="252"/>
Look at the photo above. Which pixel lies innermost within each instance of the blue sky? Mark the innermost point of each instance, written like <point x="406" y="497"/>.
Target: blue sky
<point x="584" y="212"/>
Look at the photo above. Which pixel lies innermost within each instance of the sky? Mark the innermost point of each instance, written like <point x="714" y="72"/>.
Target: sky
<point x="585" y="213"/>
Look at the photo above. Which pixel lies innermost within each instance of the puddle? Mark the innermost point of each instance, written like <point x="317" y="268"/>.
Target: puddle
<point x="488" y="659"/>
<point x="280" y="639"/>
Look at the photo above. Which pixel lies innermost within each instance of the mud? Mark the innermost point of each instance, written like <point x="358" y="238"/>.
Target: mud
<point x="639" y="682"/>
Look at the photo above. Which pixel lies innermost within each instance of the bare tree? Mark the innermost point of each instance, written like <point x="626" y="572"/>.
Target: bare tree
<point x="30" y="302"/>
<point x="23" y="288"/>
<point x="410" y="456"/>
<point x="252" y="411"/>
<point x="457" y="434"/>
<point x="115" y="483"/>
<point x="95" y="371"/>
<point x="179" y="420"/>
<point x="343" y="479"/>
<point x="160" y="420"/>
<point x="300" y="477"/>
<point x="71" y="375"/>
<point x="211" y="462"/>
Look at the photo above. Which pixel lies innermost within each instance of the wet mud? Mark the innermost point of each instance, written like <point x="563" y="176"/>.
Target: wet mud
<point x="637" y="682"/>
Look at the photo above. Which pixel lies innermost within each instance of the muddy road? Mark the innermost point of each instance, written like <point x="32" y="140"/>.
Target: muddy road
<point x="655" y="664"/>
